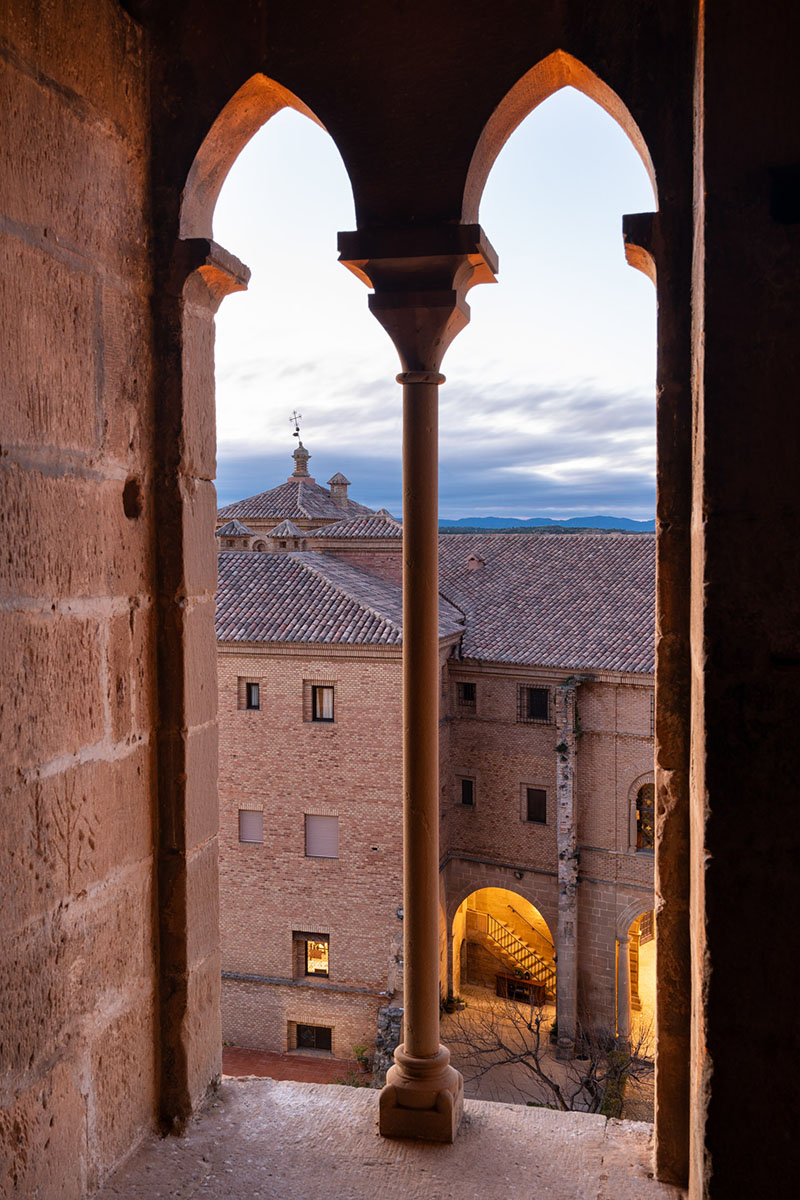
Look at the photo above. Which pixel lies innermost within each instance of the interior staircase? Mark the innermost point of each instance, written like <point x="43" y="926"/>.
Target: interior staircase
<point x="520" y="955"/>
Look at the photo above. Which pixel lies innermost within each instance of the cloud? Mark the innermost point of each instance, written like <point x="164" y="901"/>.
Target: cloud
<point x="509" y="450"/>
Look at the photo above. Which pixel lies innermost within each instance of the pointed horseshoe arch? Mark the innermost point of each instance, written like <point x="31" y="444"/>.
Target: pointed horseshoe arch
<point x="558" y="70"/>
<point x="247" y="110"/>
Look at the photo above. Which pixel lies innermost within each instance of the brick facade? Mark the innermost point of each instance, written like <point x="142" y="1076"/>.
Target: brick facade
<point x="278" y="761"/>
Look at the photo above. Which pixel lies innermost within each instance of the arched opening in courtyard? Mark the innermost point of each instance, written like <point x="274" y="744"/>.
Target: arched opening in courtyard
<point x="502" y="943"/>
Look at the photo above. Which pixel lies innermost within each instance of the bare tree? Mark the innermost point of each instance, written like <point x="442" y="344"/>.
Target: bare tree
<point x="505" y="1033"/>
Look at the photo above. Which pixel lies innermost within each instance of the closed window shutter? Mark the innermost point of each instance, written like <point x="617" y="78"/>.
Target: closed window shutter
<point x="322" y="837"/>
<point x="251" y="826"/>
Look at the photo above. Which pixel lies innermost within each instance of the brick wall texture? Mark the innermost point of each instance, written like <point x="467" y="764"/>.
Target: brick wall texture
<point x="275" y="761"/>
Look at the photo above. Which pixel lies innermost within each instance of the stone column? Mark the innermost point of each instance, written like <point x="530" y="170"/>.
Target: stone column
<point x="567" y="847"/>
<point x="420" y="278"/>
<point x="194" y="282"/>
<point x="662" y="242"/>
<point x="624" y="990"/>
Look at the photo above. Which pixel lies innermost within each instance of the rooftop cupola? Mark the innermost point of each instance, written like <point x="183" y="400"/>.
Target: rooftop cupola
<point x="339" y="484"/>
<point x="301" y="457"/>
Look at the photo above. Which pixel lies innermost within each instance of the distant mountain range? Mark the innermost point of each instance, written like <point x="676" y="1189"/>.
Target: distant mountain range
<point x="488" y="523"/>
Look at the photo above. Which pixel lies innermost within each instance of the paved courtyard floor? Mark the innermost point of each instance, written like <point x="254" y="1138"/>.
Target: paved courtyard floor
<point x="302" y="1068"/>
<point x="512" y="1082"/>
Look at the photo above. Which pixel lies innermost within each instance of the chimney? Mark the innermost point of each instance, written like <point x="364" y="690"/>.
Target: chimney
<point x="301" y="457"/>
<point x="339" y="484"/>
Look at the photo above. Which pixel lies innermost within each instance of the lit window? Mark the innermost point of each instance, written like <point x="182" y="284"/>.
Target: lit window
<point x="317" y="956"/>
<point x="646" y="817"/>
<point x="533" y="704"/>
<point x="468" y="792"/>
<point x="322" y="836"/>
<point x="535" y="805"/>
<point x="251" y="825"/>
<point x="321" y="703"/>
<point x="466" y="695"/>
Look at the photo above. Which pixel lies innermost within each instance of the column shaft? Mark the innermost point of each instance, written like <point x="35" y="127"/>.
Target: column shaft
<point x="624" y="990"/>
<point x="421" y="717"/>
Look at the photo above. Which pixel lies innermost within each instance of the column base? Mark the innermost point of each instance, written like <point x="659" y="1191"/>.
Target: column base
<point x="423" y="1098"/>
<point x="565" y="1049"/>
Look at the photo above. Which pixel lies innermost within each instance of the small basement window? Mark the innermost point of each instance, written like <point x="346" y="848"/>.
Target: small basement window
<point x="533" y="704"/>
<point x="322" y="836"/>
<point x="314" y="1037"/>
<point x="535" y="805"/>
<point x="251" y="825"/>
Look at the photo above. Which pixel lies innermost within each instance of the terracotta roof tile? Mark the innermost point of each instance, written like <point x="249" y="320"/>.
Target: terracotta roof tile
<point x="310" y="597"/>
<point x="295" y="498"/>
<point x="234" y="529"/>
<point x="575" y="601"/>
<point x="362" y="527"/>
<point x="286" y="528"/>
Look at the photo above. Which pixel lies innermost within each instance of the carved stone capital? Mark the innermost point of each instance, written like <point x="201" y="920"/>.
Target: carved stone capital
<point x="640" y="233"/>
<point x="220" y="271"/>
<point x="421" y="278"/>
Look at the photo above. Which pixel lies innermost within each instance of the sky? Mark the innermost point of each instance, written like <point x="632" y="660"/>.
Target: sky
<point x="549" y="405"/>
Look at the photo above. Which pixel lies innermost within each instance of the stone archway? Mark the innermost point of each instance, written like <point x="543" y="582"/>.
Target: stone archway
<point x="496" y="935"/>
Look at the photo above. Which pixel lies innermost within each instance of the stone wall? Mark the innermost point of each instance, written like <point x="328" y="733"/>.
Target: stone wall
<point x="77" y="889"/>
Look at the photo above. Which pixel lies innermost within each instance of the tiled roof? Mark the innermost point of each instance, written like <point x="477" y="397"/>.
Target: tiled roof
<point x="234" y="529"/>
<point x="286" y="528"/>
<point x="310" y="597"/>
<point x="573" y="601"/>
<point x="295" y="498"/>
<point x="362" y="527"/>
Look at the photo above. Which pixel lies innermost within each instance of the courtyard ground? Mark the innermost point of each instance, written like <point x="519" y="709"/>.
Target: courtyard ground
<point x="512" y="1082"/>
<point x="241" y="1062"/>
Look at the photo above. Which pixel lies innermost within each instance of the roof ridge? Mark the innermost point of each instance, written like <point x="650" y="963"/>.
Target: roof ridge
<point x="341" y="591"/>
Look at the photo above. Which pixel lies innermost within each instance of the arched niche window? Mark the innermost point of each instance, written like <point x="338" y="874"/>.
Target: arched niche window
<point x="646" y="817"/>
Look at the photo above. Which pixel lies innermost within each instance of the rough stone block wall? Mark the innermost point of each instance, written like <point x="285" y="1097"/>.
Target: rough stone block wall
<point x="274" y="761"/>
<point x="77" y="975"/>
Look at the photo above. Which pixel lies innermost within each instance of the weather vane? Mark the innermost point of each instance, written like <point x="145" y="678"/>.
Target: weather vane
<point x="295" y="420"/>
